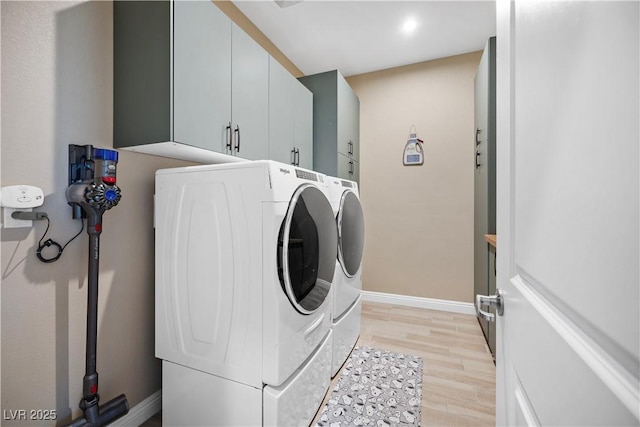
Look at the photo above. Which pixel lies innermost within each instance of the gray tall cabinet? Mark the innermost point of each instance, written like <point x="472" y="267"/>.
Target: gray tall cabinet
<point x="336" y="125"/>
<point x="485" y="180"/>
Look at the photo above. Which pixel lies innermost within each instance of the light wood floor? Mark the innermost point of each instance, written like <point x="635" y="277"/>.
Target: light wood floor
<point x="458" y="379"/>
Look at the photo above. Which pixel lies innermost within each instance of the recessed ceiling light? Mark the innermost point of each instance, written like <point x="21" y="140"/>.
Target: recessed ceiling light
<point x="287" y="3"/>
<point x="409" y="26"/>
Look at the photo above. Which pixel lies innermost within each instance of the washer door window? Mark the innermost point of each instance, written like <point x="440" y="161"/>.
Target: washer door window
<point x="307" y="249"/>
<point x="350" y="233"/>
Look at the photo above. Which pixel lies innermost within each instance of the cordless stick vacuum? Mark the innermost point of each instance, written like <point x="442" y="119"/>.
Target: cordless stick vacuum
<point x="92" y="190"/>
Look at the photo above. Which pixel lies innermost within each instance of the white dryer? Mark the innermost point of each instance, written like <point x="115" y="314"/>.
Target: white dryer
<point x="245" y="258"/>
<point x="347" y="282"/>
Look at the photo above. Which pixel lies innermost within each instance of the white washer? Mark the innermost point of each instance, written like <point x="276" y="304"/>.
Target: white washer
<point x="347" y="281"/>
<point x="245" y="257"/>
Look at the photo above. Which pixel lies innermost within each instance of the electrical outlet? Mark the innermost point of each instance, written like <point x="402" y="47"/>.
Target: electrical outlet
<point x="10" y="222"/>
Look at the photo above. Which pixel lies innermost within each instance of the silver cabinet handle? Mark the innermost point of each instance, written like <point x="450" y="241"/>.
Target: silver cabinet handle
<point x="477" y="156"/>
<point x="477" y="136"/>
<point x="350" y="167"/>
<point x="295" y="156"/>
<point x="350" y="148"/>
<point x="490" y="301"/>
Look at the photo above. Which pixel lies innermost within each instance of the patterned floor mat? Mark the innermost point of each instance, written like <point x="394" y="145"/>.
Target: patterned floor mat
<point x="376" y="388"/>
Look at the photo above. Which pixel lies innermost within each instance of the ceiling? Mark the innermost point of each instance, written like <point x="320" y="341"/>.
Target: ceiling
<point x="361" y="36"/>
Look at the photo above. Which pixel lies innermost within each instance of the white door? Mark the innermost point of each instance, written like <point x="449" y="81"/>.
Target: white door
<point x="567" y="219"/>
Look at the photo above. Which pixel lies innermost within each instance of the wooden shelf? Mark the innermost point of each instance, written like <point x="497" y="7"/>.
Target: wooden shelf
<point x="491" y="239"/>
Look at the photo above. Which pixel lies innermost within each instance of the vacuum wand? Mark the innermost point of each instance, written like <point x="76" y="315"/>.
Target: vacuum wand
<point x="93" y="189"/>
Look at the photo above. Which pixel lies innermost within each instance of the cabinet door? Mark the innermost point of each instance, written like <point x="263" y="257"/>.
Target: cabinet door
<point x="281" y="113"/>
<point x="491" y="327"/>
<point x="201" y="75"/>
<point x="347" y="168"/>
<point x="356" y="171"/>
<point x="303" y="124"/>
<point x="354" y="125"/>
<point x="348" y="119"/>
<point x="250" y="91"/>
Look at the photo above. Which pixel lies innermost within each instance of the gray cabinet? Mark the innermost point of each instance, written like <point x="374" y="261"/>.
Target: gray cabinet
<point x="290" y="118"/>
<point x="348" y="120"/>
<point x="490" y="332"/>
<point x="348" y="168"/>
<point x="186" y="77"/>
<point x="201" y="75"/>
<point x="484" y="146"/>
<point x="303" y="124"/>
<point x="250" y="96"/>
<point x="336" y="125"/>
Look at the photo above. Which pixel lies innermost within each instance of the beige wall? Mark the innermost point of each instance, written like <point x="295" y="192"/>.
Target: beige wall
<point x="57" y="89"/>
<point x="419" y="220"/>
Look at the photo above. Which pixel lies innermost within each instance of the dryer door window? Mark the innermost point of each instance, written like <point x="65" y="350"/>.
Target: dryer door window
<point x="350" y="233"/>
<point x="307" y="249"/>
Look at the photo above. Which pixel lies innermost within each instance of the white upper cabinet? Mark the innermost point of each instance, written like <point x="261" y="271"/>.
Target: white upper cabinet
<point x="188" y="80"/>
<point x="201" y="76"/>
<point x="250" y="96"/>
<point x="281" y="113"/>
<point x="303" y="124"/>
<point x="290" y="118"/>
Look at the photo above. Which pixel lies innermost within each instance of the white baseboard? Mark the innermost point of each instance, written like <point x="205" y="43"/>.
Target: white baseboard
<point x="141" y="412"/>
<point x="420" y="302"/>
